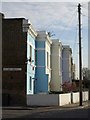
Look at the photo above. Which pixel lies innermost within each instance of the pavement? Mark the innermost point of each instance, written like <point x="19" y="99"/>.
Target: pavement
<point x="19" y="111"/>
<point x="70" y="106"/>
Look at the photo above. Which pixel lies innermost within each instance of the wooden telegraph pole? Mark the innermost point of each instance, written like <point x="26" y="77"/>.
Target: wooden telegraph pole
<point x="80" y="57"/>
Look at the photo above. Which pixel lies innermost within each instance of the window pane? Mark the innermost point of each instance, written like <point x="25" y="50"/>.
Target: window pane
<point x="48" y="59"/>
<point x="30" y="53"/>
<point x="30" y="83"/>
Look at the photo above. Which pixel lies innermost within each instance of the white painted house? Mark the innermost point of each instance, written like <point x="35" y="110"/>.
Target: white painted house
<point x="56" y="66"/>
<point x="66" y="63"/>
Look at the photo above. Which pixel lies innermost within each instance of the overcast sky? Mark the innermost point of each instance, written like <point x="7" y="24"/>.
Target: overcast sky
<point x="59" y="18"/>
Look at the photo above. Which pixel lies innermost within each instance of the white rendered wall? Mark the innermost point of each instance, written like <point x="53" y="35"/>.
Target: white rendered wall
<point x="85" y="96"/>
<point x="56" y="72"/>
<point x="42" y="99"/>
<point x="66" y="63"/>
<point x="48" y="99"/>
<point x="75" y="97"/>
<point x="54" y="99"/>
<point x="64" y="99"/>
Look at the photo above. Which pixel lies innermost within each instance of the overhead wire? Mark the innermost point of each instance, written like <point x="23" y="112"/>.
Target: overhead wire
<point x="69" y="22"/>
<point x="87" y="12"/>
<point x="75" y="48"/>
<point x="84" y="35"/>
<point x="75" y="45"/>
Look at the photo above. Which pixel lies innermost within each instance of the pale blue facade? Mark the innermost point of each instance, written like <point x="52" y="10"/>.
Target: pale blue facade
<point x="41" y="82"/>
<point x="30" y="63"/>
<point x="42" y="75"/>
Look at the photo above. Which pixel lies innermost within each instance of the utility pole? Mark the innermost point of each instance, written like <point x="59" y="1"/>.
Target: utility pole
<point x="80" y="56"/>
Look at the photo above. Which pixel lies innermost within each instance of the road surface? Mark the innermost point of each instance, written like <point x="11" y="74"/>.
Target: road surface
<point x="48" y="113"/>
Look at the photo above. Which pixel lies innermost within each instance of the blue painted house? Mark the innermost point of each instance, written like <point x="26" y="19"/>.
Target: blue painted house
<point x="31" y="36"/>
<point x="43" y="67"/>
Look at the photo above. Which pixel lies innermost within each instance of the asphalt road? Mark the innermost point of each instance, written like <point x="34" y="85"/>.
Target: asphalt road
<point x="51" y="113"/>
<point x="75" y="113"/>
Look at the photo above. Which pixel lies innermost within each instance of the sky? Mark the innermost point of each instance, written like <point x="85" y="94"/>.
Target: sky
<point x="59" y="18"/>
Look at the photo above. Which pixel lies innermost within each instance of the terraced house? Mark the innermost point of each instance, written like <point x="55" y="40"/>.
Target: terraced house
<point x="56" y="66"/>
<point x="31" y="36"/>
<point x="32" y="63"/>
<point x="1" y="17"/>
<point x="43" y="65"/>
<point x="66" y="63"/>
<point x="18" y="60"/>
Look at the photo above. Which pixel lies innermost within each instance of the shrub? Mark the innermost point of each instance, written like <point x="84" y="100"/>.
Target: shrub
<point x="69" y="87"/>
